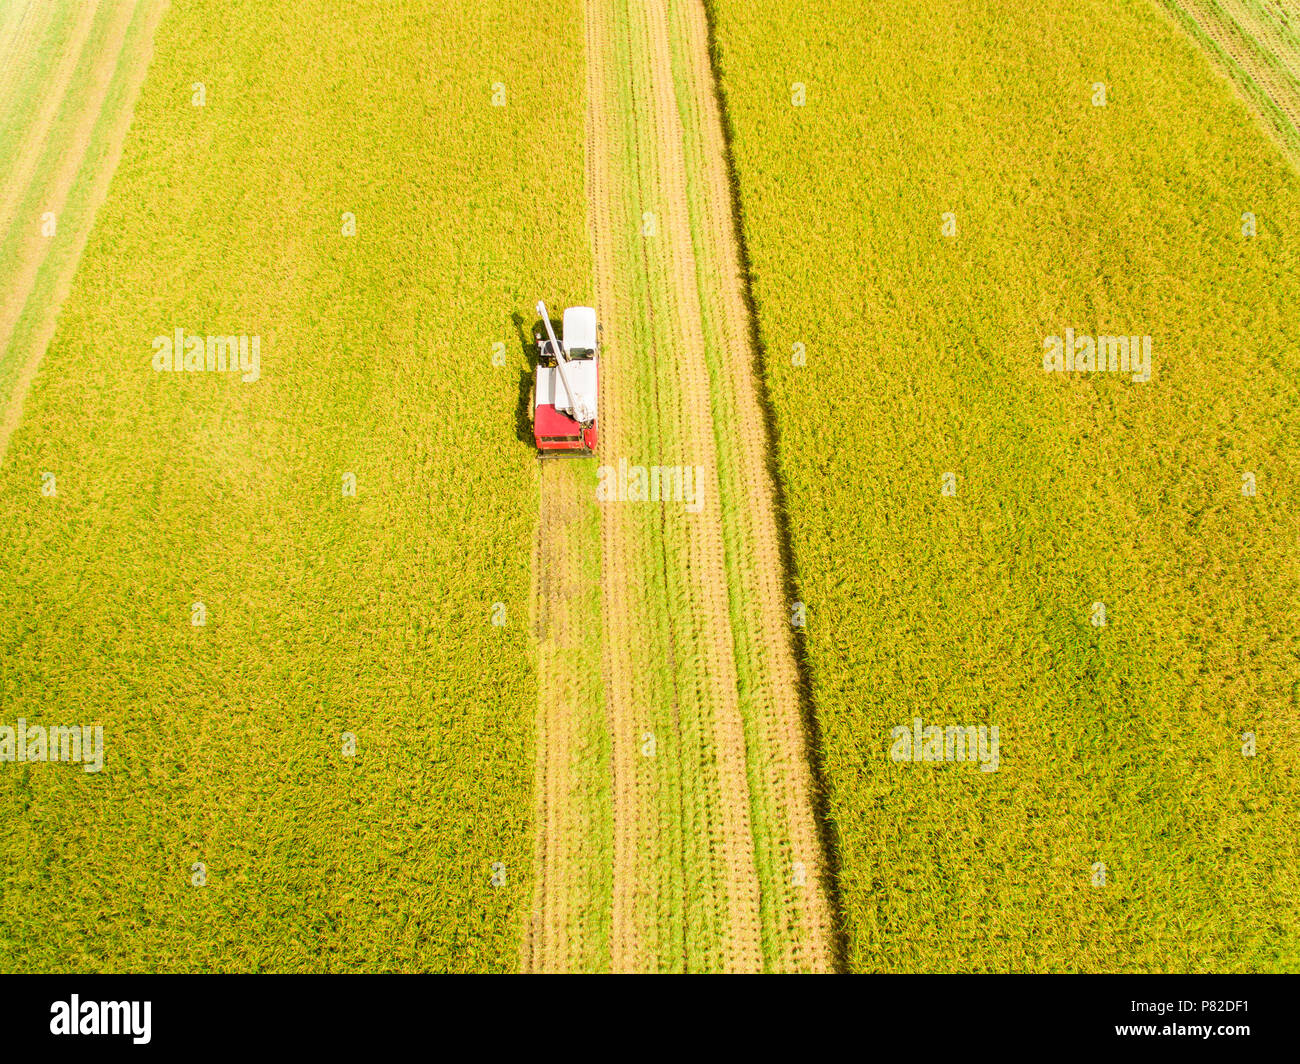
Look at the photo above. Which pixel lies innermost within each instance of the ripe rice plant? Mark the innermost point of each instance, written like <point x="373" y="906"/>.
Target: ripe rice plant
<point x="298" y="605"/>
<point x="1105" y="570"/>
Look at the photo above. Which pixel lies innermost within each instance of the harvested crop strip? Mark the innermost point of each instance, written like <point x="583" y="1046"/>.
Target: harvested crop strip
<point x="1255" y="43"/>
<point x="66" y="106"/>
<point x="715" y="855"/>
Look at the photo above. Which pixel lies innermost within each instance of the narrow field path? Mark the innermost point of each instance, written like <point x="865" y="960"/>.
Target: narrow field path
<point x="700" y="800"/>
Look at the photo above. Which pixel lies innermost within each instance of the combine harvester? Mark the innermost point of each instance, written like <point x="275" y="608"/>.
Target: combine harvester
<point x="567" y="385"/>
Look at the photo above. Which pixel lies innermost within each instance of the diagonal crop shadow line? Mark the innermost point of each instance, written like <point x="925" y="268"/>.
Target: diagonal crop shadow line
<point x="807" y="708"/>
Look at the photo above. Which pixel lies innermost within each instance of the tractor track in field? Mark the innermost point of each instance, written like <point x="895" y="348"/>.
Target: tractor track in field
<point x="70" y="167"/>
<point x="1233" y="37"/>
<point x="19" y="27"/>
<point x="553" y="568"/>
<point x="703" y="834"/>
<point x="1280" y="42"/>
<point x="620" y="574"/>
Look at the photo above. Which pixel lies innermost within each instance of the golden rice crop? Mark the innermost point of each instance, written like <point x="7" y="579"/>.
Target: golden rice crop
<point x="929" y="194"/>
<point x="326" y="614"/>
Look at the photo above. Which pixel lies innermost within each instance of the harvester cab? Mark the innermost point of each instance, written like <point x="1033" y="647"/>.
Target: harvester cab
<point x="566" y="388"/>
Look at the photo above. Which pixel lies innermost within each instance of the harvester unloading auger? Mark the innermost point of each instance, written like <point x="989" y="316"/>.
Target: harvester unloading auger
<point x="566" y="388"/>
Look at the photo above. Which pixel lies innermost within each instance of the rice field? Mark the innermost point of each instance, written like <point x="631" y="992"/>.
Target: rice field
<point x="333" y="770"/>
<point x="974" y="327"/>
<point x="71" y="74"/>
<point x="1256" y="44"/>
<point x="675" y="806"/>
<point x="1103" y="568"/>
